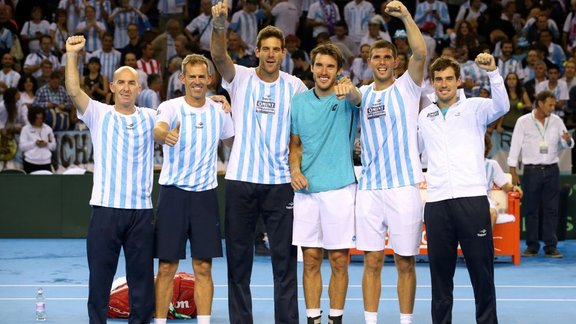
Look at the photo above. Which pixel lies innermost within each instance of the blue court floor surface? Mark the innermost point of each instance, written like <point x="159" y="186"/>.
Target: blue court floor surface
<point x="538" y="291"/>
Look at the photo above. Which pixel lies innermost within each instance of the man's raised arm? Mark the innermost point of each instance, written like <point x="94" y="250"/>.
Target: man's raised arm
<point x="218" y="49"/>
<point x="415" y="40"/>
<point x="80" y="99"/>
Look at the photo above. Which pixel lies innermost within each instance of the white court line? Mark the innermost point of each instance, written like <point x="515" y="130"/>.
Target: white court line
<point x="324" y="286"/>
<point x="537" y="300"/>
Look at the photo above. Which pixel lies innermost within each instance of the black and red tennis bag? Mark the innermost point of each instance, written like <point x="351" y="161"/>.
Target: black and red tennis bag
<point x="182" y="304"/>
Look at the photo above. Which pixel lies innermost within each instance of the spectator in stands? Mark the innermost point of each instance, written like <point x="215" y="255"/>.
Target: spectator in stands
<point x="509" y="13"/>
<point x="360" y="71"/>
<point x="34" y="29"/>
<point x="286" y="16"/>
<point x="341" y="36"/>
<point x="245" y="22"/>
<point x="495" y="176"/>
<point x="135" y="42"/>
<point x="506" y="62"/>
<point x="147" y="62"/>
<point x="537" y="140"/>
<point x="12" y="115"/>
<point x="520" y="103"/>
<point x="92" y="29"/>
<point x="120" y="18"/>
<point x="434" y="11"/>
<point x="357" y="14"/>
<point x="374" y="33"/>
<point x="557" y="87"/>
<point x="302" y="69"/>
<point x="183" y="46"/>
<point x="238" y="51"/>
<point x="172" y="10"/>
<point x="33" y="60"/>
<point x="174" y="87"/>
<point x="27" y="86"/>
<point x="322" y="17"/>
<point x="491" y="22"/>
<point x="402" y="65"/>
<point x="46" y="68"/>
<point x="401" y="42"/>
<point x="8" y="76"/>
<point x="539" y="76"/>
<point x="535" y="25"/>
<point x="74" y="12"/>
<point x="150" y="98"/>
<point x="6" y="20"/>
<point x="6" y="40"/>
<point x="163" y="44"/>
<point x="470" y="10"/>
<point x="108" y="55"/>
<point x="569" y="29"/>
<point x="37" y="142"/>
<point x="59" y="31"/>
<point x="465" y="35"/>
<point x="94" y="83"/>
<point x="199" y="29"/>
<point x="555" y="52"/>
<point x="131" y="61"/>
<point x="569" y="73"/>
<point x="53" y="95"/>
<point x="104" y="8"/>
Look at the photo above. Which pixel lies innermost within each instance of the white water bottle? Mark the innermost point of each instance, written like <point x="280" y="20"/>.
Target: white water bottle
<point x="40" y="305"/>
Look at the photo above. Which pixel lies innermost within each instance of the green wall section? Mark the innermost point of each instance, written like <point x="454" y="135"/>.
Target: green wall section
<point x="56" y="206"/>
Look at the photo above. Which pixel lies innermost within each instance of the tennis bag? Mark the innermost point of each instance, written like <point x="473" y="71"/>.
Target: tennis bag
<point x="182" y="305"/>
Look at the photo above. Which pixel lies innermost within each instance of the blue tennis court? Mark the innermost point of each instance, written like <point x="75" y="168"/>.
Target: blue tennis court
<point x="539" y="290"/>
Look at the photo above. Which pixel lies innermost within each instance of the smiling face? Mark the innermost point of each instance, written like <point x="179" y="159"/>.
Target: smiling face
<point x="383" y="63"/>
<point x="325" y="71"/>
<point x="270" y="55"/>
<point x="125" y="87"/>
<point x="446" y="86"/>
<point x="196" y="80"/>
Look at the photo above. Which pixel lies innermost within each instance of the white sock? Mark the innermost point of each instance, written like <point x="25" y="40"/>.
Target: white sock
<point x="336" y="312"/>
<point x="313" y="312"/>
<point x="405" y="318"/>
<point x="203" y="319"/>
<point x="371" y="317"/>
<point x="159" y="321"/>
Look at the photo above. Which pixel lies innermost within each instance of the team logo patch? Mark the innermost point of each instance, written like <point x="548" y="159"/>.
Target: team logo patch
<point x="290" y="205"/>
<point x="378" y="109"/>
<point x="200" y="125"/>
<point x="433" y="115"/>
<point x="130" y="126"/>
<point x="334" y="107"/>
<point x="266" y="105"/>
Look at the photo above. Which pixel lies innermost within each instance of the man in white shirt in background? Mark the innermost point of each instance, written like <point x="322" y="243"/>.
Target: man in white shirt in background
<point x="537" y="140"/>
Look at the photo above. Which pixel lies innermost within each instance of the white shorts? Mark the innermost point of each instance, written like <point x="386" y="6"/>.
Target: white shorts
<point x="325" y="219"/>
<point x="396" y="210"/>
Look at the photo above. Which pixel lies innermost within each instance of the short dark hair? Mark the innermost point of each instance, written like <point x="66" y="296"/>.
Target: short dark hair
<point x="299" y="54"/>
<point x="442" y="63"/>
<point x="383" y="44"/>
<point x="270" y="32"/>
<point x="328" y="49"/>
<point x="33" y="111"/>
<point x="543" y="95"/>
<point x="153" y="77"/>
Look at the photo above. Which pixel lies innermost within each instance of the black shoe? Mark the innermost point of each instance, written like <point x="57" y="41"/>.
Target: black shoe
<point x="335" y="319"/>
<point x="261" y="249"/>
<point x="529" y="252"/>
<point x="314" y="320"/>
<point x="554" y="253"/>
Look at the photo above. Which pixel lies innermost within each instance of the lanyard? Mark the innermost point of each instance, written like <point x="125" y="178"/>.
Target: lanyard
<point x="542" y="134"/>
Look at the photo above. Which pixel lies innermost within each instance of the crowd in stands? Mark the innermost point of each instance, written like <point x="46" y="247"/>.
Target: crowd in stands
<point x="534" y="43"/>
